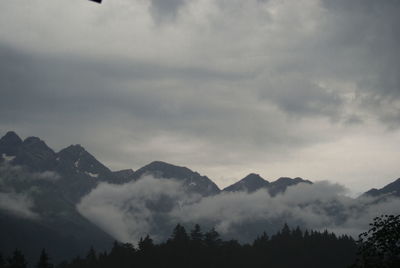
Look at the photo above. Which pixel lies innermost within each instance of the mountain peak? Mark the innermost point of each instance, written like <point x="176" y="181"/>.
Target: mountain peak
<point x="11" y="138"/>
<point x="281" y="184"/>
<point x="123" y="176"/>
<point x="391" y="189"/>
<point x="74" y="149"/>
<point x="36" y="144"/>
<point x="192" y="180"/>
<point x="253" y="177"/>
<point x="9" y="143"/>
<point x="75" y="159"/>
<point x="157" y="164"/>
<point x="283" y="180"/>
<point x="250" y="183"/>
<point x="32" y="140"/>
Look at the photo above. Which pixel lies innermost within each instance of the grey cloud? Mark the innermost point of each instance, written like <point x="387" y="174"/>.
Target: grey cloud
<point x="234" y="84"/>
<point x="15" y="198"/>
<point x="18" y="204"/>
<point x="18" y="188"/>
<point x="47" y="176"/>
<point x="139" y="97"/>
<point x="165" y="10"/>
<point x="133" y="210"/>
<point x="369" y="29"/>
<point x="301" y="98"/>
<point x="151" y="206"/>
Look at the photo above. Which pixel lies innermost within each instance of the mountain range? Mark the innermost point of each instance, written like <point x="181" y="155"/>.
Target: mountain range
<point x="57" y="181"/>
<point x="80" y="171"/>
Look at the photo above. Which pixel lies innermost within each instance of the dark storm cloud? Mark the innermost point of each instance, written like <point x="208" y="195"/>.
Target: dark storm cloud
<point x="223" y="86"/>
<point x="164" y="10"/>
<point x="299" y="97"/>
<point x="371" y="28"/>
<point x="36" y="85"/>
<point x="79" y="91"/>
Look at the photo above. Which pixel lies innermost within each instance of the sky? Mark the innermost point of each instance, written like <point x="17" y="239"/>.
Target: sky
<point x="307" y="88"/>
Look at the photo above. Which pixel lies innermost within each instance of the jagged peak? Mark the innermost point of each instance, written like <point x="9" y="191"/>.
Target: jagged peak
<point x="73" y="149"/>
<point x="35" y="142"/>
<point x="298" y="179"/>
<point x="253" y="177"/>
<point x="157" y="165"/>
<point x="284" y="180"/>
<point x="126" y="172"/>
<point x="11" y="138"/>
<point x="32" y="139"/>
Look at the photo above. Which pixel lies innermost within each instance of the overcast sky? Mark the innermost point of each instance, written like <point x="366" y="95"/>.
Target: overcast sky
<point x="307" y="88"/>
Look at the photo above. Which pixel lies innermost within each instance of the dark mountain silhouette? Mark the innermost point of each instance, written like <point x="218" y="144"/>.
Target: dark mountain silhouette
<point x="54" y="185"/>
<point x="9" y="144"/>
<point x="76" y="160"/>
<point x="70" y="174"/>
<point x="390" y="190"/>
<point x="286" y="248"/>
<point x="254" y="182"/>
<point x="65" y="236"/>
<point x="281" y="184"/>
<point x="53" y="221"/>
<point x="250" y="183"/>
<point x="192" y="181"/>
<point x="124" y="175"/>
<point x="32" y="152"/>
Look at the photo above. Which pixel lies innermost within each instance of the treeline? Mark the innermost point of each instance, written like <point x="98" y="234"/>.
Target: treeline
<point x="287" y="248"/>
<point x="17" y="260"/>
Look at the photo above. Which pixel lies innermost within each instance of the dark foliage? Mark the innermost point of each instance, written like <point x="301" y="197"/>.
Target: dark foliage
<point x="2" y="262"/>
<point x="380" y="245"/>
<point x="17" y="260"/>
<point x="44" y="261"/>
<point x="287" y="248"/>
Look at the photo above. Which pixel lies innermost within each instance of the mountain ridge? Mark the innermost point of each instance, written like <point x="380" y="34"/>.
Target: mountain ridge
<point x="36" y="155"/>
<point x="59" y="180"/>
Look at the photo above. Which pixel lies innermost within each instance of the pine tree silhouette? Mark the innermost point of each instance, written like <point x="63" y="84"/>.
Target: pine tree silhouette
<point x="17" y="260"/>
<point x="196" y="235"/>
<point x="2" y="262"/>
<point x="287" y="248"/>
<point x="44" y="261"/>
<point x="146" y="244"/>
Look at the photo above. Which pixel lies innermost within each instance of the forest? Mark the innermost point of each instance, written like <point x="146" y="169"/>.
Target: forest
<point x="379" y="247"/>
<point x="195" y="248"/>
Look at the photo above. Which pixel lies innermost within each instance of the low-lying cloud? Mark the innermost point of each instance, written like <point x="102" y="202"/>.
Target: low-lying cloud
<point x="18" y="204"/>
<point x="153" y="206"/>
<point x="18" y="188"/>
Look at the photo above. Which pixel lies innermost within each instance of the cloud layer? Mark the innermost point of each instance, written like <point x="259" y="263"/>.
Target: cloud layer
<point x="155" y="206"/>
<point x="225" y="87"/>
<point x="19" y="188"/>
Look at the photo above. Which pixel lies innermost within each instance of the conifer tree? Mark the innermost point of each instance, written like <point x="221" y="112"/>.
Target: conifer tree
<point x="17" y="260"/>
<point x="212" y="238"/>
<point x="44" y="261"/>
<point x="261" y="241"/>
<point x="146" y="243"/>
<point x="196" y="235"/>
<point x="91" y="258"/>
<point x="2" y="262"/>
<point x="179" y="235"/>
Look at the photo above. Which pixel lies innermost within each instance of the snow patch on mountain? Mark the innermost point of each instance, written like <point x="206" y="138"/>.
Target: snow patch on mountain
<point x="93" y="175"/>
<point x="8" y="158"/>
